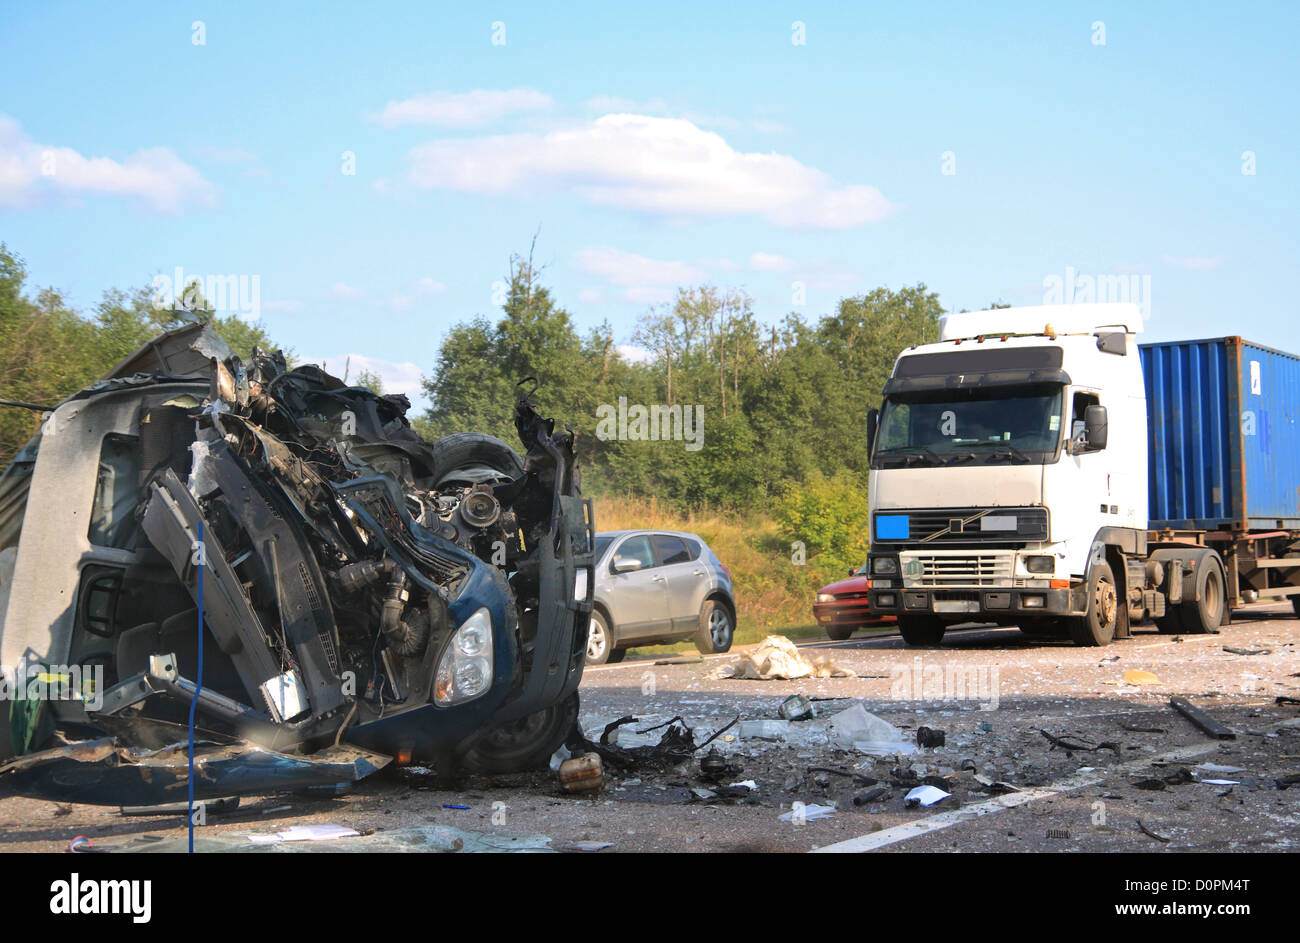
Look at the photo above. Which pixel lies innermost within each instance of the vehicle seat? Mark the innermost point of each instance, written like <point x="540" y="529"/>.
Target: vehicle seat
<point x="176" y="635"/>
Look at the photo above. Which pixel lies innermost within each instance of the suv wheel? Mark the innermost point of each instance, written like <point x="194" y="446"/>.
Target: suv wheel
<point x="600" y="642"/>
<point x="717" y="628"/>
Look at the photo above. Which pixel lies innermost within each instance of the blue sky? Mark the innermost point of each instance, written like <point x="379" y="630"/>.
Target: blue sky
<point x="653" y="147"/>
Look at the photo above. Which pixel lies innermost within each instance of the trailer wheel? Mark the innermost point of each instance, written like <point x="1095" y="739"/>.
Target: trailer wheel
<point x="1098" y="626"/>
<point x="921" y="631"/>
<point x="1205" y="613"/>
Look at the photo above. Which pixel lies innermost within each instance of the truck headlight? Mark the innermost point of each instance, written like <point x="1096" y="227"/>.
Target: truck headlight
<point x="884" y="566"/>
<point x="465" y="670"/>
<point x="1040" y="564"/>
<point x="825" y="597"/>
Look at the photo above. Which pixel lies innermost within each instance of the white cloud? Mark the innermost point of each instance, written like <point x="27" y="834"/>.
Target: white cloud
<point x="666" y="166"/>
<point x="463" y="109"/>
<point x="427" y="286"/>
<point x="1195" y="263"/>
<point x="346" y="291"/>
<point x="155" y="177"/>
<point x="631" y="270"/>
<point x="591" y="296"/>
<point x="397" y="376"/>
<point x="767" y="262"/>
<point x="286" y="307"/>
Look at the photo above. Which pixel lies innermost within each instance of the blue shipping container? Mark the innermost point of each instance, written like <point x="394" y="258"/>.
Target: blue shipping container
<point x="1224" y="430"/>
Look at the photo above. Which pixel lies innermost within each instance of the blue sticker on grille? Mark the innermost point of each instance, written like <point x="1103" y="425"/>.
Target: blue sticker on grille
<point x="892" y="527"/>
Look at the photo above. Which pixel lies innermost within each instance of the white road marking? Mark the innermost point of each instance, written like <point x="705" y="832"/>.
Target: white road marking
<point x="942" y="820"/>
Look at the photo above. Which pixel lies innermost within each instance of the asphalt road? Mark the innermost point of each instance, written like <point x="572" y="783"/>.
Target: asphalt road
<point x="1124" y="772"/>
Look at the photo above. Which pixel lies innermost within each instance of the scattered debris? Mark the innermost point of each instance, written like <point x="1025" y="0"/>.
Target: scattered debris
<point x="583" y="773"/>
<point x="81" y="845"/>
<point x="589" y="846"/>
<point x="776" y="657"/>
<point x="1142" y="826"/>
<point x="1290" y="779"/>
<point x="1077" y="745"/>
<point x="1134" y="729"/>
<point x="1201" y="719"/>
<point x="1217" y="768"/>
<point x="208" y="807"/>
<point x="305" y="833"/>
<point x="1247" y="651"/>
<point x="854" y="728"/>
<point x="928" y="737"/>
<point x="871" y="794"/>
<point x="924" y="796"/>
<point x="1137" y="676"/>
<point x="796" y="707"/>
<point x="809" y="812"/>
<point x="1058" y="833"/>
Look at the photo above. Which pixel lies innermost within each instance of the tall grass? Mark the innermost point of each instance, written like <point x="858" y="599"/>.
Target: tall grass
<point x="773" y="594"/>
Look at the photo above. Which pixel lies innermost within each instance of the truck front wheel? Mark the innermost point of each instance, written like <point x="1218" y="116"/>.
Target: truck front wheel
<point x="921" y="631"/>
<point x="1098" y="626"/>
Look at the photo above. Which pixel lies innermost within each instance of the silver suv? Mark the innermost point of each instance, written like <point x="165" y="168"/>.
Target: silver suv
<point x="654" y="587"/>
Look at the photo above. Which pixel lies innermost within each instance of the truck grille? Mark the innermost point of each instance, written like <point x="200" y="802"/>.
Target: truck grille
<point x="946" y="526"/>
<point x="977" y="569"/>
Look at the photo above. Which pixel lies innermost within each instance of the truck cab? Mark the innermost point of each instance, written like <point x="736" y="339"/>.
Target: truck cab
<point x="1008" y="476"/>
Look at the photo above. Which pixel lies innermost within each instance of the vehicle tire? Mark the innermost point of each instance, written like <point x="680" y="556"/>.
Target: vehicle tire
<point x="1172" y="622"/>
<point x="1295" y="604"/>
<point x="1204" y="614"/>
<point x="601" y="649"/>
<point x="921" y="631"/>
<point x="717" y="628"/>
<point x="1098" y="626"/>
<point x="466" y="451"/>
<point x="838" y="633"/>
<point x="524" y="744"/>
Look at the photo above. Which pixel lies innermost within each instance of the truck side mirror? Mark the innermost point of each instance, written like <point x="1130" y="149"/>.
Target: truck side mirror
<point x="1094" y="420"/>
<point x="873" y="420"/>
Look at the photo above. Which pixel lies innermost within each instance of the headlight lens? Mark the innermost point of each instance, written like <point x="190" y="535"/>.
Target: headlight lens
<point x="884" y="566"/>
<point x="465" y="670"/>
<point x="825" y="597"/>
<point x="1040" y="564"/>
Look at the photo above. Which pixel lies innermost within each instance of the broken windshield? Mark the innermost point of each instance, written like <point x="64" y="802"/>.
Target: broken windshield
<point x="1008" y="425"/>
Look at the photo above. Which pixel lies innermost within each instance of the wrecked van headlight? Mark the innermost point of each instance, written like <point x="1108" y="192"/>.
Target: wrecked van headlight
<point x="465" y="670"/>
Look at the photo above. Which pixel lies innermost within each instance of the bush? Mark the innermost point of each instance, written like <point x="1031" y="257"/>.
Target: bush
<point x="829" y="517"/>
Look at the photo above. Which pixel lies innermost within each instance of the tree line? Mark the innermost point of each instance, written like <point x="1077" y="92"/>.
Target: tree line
<point x="780" y="403"/>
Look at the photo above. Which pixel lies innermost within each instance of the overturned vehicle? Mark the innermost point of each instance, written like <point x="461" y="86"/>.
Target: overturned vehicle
<point x="278" y="559"/>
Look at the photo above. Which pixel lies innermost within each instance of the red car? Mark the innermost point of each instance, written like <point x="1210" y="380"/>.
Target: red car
<point x="844" y="607"/>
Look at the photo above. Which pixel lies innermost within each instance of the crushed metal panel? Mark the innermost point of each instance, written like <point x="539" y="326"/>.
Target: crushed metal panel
<point x="104" y="772"/>
<point x="186" y="351"/>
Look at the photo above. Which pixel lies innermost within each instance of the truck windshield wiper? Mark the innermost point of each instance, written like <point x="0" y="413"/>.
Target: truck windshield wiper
<point x="1003" y="448"/>
<point x="909" y="452"/>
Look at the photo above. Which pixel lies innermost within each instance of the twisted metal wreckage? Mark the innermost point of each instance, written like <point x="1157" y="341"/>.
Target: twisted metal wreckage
<point x="366" y="595"/>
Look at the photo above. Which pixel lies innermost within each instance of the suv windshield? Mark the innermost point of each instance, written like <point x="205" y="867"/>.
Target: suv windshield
<point x="1015" y="425"/>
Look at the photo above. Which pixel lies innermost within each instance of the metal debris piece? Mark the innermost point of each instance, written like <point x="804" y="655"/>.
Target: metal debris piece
<point x="871" y="794"/>
<point x="1247" y="651"/>
<point x="796" y="707"/>
<point x="1204" y="721"/>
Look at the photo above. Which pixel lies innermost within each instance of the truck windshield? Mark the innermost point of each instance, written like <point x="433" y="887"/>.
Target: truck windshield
<point x="1011" y="425"/>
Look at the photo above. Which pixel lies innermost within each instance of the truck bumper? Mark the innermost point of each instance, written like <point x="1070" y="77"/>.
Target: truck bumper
<point x="986" y="604"/>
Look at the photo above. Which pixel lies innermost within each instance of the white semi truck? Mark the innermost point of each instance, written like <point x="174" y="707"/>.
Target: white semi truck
<point x="1016" y="463"/>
